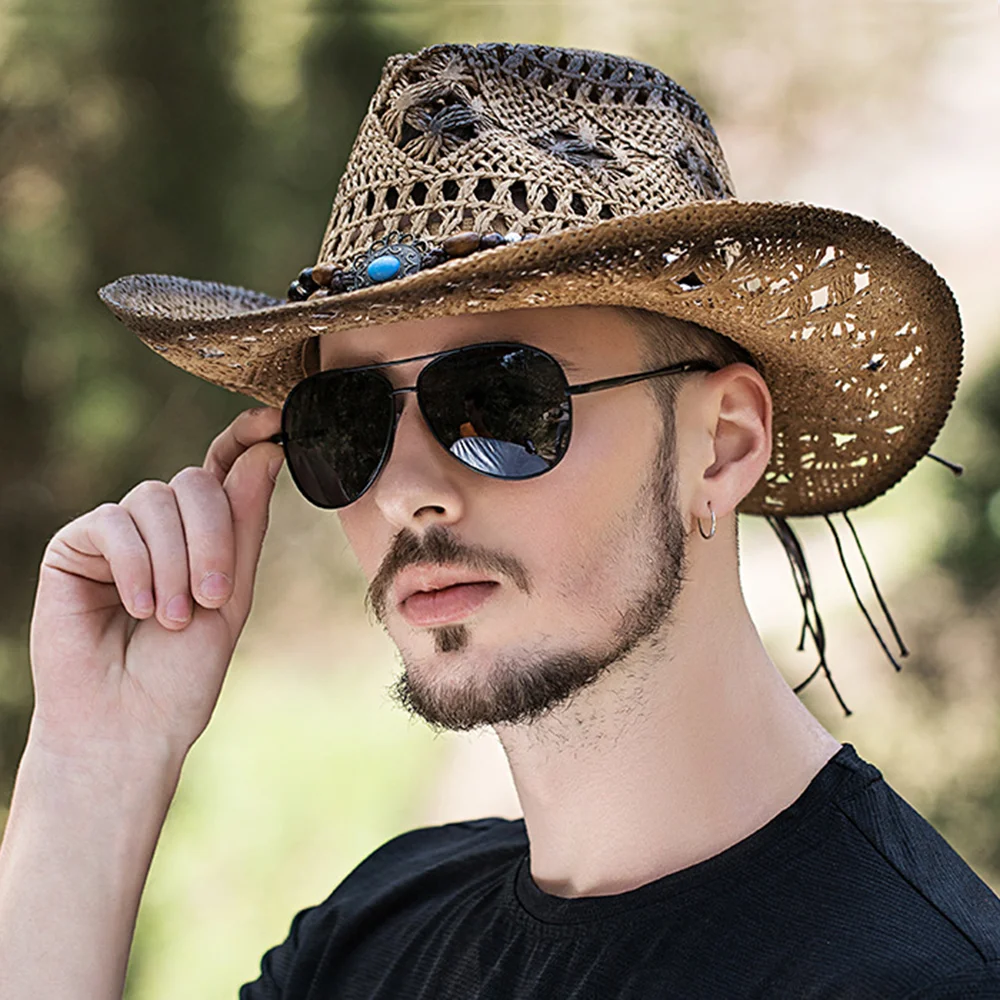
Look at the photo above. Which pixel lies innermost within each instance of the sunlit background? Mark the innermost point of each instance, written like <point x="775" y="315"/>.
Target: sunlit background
<point x="205" y="138"/>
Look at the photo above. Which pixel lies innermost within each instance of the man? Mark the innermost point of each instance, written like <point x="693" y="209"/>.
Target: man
<point x="669" y="355"/>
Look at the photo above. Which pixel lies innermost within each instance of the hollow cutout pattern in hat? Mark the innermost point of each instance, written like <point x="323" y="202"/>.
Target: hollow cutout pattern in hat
<point x="500" y="176"/>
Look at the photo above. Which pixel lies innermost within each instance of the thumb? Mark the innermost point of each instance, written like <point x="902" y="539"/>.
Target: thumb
<point x="249" y="486"/>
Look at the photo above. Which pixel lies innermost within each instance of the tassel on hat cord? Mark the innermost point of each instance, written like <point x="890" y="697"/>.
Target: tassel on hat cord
<point x="812" y="623"/>
<point x="953" y="466"/>
<point x="903" y="651"/>
<point x="857" y="596"/>
<point x="803" y="583"/>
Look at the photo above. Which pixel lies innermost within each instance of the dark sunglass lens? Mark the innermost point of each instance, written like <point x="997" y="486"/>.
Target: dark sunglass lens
<point x="501" y="410"/>
<point x="337" y="428"/>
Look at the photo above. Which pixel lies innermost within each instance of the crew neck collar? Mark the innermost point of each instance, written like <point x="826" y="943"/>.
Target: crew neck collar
<point x="844" y="766"/>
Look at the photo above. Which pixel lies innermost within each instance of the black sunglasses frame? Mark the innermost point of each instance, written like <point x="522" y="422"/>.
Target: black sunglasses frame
<point x="397" y="393"/>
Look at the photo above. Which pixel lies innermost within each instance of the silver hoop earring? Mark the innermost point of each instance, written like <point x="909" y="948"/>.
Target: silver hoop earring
<point x="701" y="530"/>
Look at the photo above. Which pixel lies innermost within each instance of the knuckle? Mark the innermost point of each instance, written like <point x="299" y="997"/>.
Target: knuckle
<point x="192" y="476"/>
<point x="55" y="544"/>
<point x="117" y="528"/>
<point x="106" y="516"/>
<point x="219" y="440"/>
<point x="150" y="490"/>
<point x="98" y="521"/>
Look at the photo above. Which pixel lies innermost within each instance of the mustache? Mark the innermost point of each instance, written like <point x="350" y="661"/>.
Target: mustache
<point x="438" y="545"/>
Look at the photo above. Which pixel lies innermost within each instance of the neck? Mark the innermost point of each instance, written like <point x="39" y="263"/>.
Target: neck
<point x="674" y="755"/>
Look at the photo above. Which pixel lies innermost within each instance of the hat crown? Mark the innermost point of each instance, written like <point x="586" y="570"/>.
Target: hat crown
<point x="519" y="138"/>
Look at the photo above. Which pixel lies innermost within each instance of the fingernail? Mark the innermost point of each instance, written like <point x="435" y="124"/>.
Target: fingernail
<point x="214" y="586"/>
<point x="144" y="602"/>
<point x="275" y="467"/>
<point x="179" y="608"/>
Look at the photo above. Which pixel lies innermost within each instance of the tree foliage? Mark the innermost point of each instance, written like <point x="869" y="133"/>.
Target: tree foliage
<point x="126" y="145"/>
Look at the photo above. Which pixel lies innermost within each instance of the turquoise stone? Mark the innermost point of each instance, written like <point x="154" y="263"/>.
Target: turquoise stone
<point x="383" y="268"/>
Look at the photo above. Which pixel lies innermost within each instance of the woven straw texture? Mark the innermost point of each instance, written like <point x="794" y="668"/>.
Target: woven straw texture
<point x="618" y="170"/>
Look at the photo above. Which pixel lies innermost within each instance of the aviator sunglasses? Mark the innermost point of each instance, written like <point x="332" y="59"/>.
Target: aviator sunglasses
<point x="501" y="409"/>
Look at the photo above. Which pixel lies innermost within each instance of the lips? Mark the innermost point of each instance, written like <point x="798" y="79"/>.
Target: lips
<point x="427" y="596"/>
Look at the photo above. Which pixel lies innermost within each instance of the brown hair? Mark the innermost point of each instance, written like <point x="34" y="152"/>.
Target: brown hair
<point x="664" y="341"/>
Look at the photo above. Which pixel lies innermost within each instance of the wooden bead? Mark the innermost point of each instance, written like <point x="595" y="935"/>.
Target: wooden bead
<point x="433" y="257"/>
<point x="460" y="244"/>
<point x="322" y="273"/>
<point x="337" y="282"/>
<point x="306" y="280"/>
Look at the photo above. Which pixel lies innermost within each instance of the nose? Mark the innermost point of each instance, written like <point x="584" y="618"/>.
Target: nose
<point x="419" y="487"/>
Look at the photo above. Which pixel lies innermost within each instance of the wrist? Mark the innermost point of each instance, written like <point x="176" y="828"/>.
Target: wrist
<point x="120" y="775"/>
<point x="73" y="757"/>
<point x="102" y="816"/>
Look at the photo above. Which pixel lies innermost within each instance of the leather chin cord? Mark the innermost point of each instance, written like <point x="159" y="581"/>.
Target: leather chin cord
<point x="812" y="623"/>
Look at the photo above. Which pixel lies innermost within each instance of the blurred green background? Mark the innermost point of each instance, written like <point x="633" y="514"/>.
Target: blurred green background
<point x="205" y="139"/>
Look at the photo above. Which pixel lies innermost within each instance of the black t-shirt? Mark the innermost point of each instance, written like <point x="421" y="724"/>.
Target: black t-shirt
<point x="848" y="893"/>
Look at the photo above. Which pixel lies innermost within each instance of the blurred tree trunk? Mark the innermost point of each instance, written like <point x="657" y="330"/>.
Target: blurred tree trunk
<point x="127" y="143"/>
<point x="124" y="148"/>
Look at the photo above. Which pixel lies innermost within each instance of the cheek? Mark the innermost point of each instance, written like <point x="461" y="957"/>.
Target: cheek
<point x="583" y="525"/>
<point x="614" y="447"/>
<point x="366" y="534"/>
<point x="577" y="529"/>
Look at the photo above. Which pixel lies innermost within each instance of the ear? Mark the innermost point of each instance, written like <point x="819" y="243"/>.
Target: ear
<point x="735" y="410"/>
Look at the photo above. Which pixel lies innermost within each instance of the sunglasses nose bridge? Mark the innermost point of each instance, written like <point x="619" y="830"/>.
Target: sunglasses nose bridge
<point x="398" y="394"/>
<point x="399" y="398"/>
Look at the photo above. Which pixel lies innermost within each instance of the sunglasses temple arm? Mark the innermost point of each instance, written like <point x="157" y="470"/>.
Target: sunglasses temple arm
<point x="610" y="383"/>
<point x="278" y="438"/>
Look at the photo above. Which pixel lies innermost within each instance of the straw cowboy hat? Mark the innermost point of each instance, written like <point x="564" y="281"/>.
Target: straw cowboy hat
<point x="497" y="176"/>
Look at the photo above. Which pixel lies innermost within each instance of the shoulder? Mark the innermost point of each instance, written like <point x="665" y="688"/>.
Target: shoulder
<point x="896" y="893"/>
<point x="983" y="984"/>
<point x="907" y="851"/>
<point x="418" y="873"/>
<point x="447" y="852"/>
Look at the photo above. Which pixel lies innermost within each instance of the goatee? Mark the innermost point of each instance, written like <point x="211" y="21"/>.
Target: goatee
<point x="518" y="690"/>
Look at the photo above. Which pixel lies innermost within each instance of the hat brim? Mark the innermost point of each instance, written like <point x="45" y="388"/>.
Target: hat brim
<point x="857" y="336"/>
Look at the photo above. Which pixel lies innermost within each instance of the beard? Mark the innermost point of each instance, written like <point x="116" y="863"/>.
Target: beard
<point x="518" y="689"/>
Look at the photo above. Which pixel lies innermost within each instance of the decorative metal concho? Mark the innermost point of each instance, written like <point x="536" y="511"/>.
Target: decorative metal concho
<point x="394" y="255"/>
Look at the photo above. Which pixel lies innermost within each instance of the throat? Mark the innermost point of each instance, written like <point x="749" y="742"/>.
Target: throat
<point x="642" y="796"/>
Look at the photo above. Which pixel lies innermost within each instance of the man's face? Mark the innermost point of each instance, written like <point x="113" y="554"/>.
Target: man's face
<point x="506" y="597"/>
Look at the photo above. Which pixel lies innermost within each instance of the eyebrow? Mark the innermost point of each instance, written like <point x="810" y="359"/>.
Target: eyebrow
<point x="564" y="362"/>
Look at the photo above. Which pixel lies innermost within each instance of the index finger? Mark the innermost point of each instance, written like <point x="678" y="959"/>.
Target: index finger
<point x="251" y="426"/>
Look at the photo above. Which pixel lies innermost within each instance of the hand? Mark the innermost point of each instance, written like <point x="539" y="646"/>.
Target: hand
<point x="140" y="603"/>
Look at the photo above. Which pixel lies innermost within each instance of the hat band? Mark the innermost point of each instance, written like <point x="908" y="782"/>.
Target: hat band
<point x="394" y="255"/>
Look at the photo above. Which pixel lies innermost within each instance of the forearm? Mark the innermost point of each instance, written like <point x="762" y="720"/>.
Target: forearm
<point x="73" y="863"/>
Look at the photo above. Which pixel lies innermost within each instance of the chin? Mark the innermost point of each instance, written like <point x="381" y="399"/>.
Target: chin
<point x="465" y="687"/>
